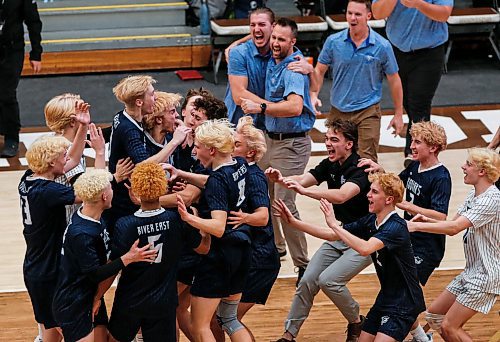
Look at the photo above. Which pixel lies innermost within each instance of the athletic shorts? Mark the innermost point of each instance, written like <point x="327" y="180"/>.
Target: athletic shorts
<point x="77" y="327"/>
<point x="470" y="296"/>
<point x="258" y="285"/>
<point x="395" y="325"/>
<point x="222" y="272"/>
<point x="124" y="325"/>
<point x="42" y="294"/>
<point x="424" y="270"/>
<point x="185" y="275"/>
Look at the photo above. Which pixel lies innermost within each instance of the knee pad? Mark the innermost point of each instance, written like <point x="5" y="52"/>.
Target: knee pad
<point x="434" y="320"/>
<point x="227" y="316"/>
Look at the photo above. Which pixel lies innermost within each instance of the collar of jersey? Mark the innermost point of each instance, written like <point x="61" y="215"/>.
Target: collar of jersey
<point x="85" y="217"/>
<point x="429" y="169"/>
<point x="149" y="213"/>
<point x="153" y="141"/>
<point x="384" y="220"/>
<point x="132" y="120"/>
<point x="232" y="162"/>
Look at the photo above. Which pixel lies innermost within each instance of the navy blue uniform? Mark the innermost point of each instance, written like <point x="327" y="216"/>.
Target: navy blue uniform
<point x="335" y="175"/>
<point x="85" y="249"/>
<point x="127" y="140"/>
<point x="400" y="299"/>
<point x="223" y="270"/>
<point x="44" y="219"/>
<point x="265" y="263"/>
<point x="430" y="189"/>
<point x="146" y="295"/>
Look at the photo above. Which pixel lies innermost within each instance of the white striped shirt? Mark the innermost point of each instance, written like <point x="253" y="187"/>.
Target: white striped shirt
<point x="482" y="240"/>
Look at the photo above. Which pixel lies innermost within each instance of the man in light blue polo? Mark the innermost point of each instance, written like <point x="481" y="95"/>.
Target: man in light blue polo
<point x="359" y="58"/>
<point x="289" y="116"/>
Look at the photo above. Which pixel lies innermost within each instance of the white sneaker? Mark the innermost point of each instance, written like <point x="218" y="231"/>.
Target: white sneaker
<point x="38" y="339"/>
<point x="429" y="337"/>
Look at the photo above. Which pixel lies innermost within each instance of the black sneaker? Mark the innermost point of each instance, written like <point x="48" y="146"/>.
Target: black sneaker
<point x="285" y="340"/>
<point x="354" y="330"/>
<point x="10" y="148"/>
<point x="300" y="274"/>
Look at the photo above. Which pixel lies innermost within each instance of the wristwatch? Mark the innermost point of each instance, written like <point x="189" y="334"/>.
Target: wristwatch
<point x="263" y="108"/>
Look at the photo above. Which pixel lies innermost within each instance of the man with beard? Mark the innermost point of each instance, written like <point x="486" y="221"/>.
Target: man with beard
<point x="289" y="115"/>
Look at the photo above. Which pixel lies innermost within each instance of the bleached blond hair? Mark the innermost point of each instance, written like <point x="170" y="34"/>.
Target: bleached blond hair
<point x="218" y="134"/>
<point x="58" y="111"/>
<point x="132" y="88"/>
<point x="163" y="102"/>
<point x="390" y="183"/>
<point x="148" y="181"/>
<point x="486" y="159"/>
<point x="44" y="151"/>
<point x="254" y="137"/>
<point x="432" y="133"/>
<point x="91" y="184"/>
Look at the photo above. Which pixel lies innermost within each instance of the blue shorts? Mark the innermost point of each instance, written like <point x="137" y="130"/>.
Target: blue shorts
<point x="222" y="272"/>
<point x="76" y="328"/>
<point x="42" y="294"/>
<point x="424" y="268"/>
<point x="258" y="285"/>
<point x="124" y="325"/>
<point x="395" y="325"/>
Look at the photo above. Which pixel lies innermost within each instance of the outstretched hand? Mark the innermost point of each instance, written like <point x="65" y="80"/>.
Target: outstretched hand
<point x="274" y="175"/>
<point x="327" y="209"/>
<point x="281" y="210"/>
<point x="82" y="112"/>
<point x="124" y="169"/>
<point x="139" y="254"/>
<point x="237" y="218"/>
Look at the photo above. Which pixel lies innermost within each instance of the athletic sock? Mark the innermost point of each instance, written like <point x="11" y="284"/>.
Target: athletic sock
<point x="419" y="334"/>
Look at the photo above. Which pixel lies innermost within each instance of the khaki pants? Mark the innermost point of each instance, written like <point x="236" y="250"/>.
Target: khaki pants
<point x="368" y="122"/>
<point x="290" y="156"/>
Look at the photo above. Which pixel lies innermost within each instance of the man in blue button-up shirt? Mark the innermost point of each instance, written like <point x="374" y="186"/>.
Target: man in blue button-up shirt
<point x="360" y="58"/>
<point x="289" y="116"/>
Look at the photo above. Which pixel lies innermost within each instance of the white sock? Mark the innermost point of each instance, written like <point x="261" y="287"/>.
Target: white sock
<point x="419" y="334"/>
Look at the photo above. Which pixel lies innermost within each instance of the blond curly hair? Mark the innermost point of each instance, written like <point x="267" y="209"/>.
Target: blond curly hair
<point x="90" y="185"/>
<point x="486" y="159"/>
<point x="254" y="137"/>
<point x="390" y="183"/>
<point x="148" y="181"/>
<point x="58" y="111"/>
<point x="218" y="134"/>
<point x="163" y="102"/>
<point x="432" y="133"/>
<point x="132" y="87"/>
<point x="44" y="151"/>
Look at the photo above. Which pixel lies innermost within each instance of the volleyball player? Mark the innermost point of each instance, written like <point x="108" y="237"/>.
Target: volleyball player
<point x="220" y="278"/>
<point x="146" y="296"/>
<point x="478" y="286"/>
<point x="84" y="272"/>
<point x="44" y="219"/>
<point x="381" y="234"/>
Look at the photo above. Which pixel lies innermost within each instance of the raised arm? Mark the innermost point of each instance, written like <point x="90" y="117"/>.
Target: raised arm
<point x="432" y="11"/>
<point x="337" y="196"/>
<point x="75" y="152"/>
<point x="383" y="8"/>
<point x="451" y="228"/>
<point x="215" y="225"/>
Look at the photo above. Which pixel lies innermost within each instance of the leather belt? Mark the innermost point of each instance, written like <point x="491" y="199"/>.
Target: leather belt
<point x="283" y="136"/>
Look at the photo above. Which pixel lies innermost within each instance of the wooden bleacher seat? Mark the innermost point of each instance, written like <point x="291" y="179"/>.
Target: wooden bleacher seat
<point x="226" y="31"/>
<point x="338" y="22"/>
<point x="473" y="22"/>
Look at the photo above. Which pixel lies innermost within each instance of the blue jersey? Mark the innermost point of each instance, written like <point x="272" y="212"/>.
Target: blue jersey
<point x="429" y="189"/>
<point x="400" y="291"/>
<point x="264" y="252"/>
<point x="44" y="219"/>
<point x="336" y="175"/>
<point x="148" y="289"/>
<point x="225" y="191"/>
<point x="127" y="140"/>
<point x="85" y="249"/>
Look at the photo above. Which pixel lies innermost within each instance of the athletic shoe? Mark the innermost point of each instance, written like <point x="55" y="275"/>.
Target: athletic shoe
<point x="284" y="340"/>
<point x="429" y="338"/>
<point x="300" y="274"/>
<point x="10" y="148"/>
<point x="354" y="330"/>
<point x="38" y="339"/>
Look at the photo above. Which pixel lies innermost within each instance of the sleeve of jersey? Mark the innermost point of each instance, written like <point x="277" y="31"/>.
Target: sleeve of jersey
<point x="58" y="194"/>
<point x="320" y="172"/>
<point x="120" y="244"/>
<point x="216" y="193"/>
<point x="294" y="84"/>
<point x="484" y="210"/>
<point x="440" y="197"/>
<point x="135" y="146"/>
<point x="258" y="194"/>
<point x="392" y="234"/>
<point x="237" y="65"/>
<point x="359" y="177"/>
<point x="359" y="228"/>
<point x="85" y="250"/>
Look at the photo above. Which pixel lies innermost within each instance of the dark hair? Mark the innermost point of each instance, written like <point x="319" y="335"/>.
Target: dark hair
<point x="287" y="22"/>
<point x="367" y="3"/>
<point x="212" y="106"/>
<point x="348" y="129"/>
<point x="264" y="10"/>
<point x="195" y="92"/>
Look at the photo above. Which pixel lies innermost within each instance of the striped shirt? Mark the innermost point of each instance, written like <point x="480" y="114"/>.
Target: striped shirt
<point x="482" y="240"/>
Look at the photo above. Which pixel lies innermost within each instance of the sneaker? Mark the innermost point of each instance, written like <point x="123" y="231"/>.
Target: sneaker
<point x="407" y="161"/>
<point x="300" y="274"/>
<point x="285" y="340"/>
<point x="354" y="330"/>
<point x="10" y="148"/>
<point x="38" y="339"/>
<point x="429" y="338"/>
